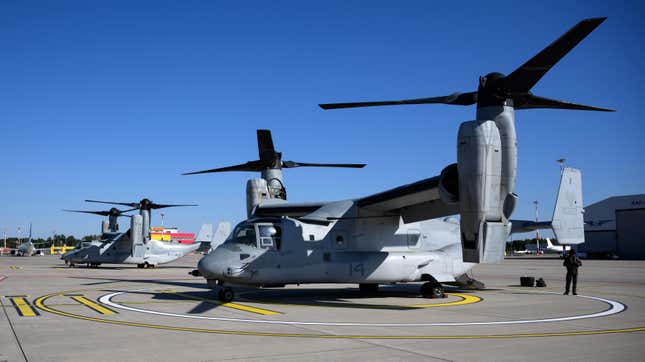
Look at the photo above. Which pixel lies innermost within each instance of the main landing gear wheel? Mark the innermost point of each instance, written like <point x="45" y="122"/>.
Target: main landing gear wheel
<point x="368" y="288"/>
<point x="432" y="290"/>
<point x="225" y="295"/>
<point x="141" y="266"/>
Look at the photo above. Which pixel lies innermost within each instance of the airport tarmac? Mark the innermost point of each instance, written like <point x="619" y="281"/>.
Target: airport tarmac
<point x="121" y="313"/>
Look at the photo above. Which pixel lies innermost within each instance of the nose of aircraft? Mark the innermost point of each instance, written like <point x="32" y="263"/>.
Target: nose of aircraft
<point x="212" y="265"/>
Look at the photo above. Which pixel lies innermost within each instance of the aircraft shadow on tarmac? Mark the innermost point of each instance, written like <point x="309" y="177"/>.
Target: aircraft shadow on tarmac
<point x="345" y="297"/>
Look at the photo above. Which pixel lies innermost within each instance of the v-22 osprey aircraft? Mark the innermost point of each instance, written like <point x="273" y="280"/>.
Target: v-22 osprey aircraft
<point x="131" y="247"/>
<point x="404" y="234"/>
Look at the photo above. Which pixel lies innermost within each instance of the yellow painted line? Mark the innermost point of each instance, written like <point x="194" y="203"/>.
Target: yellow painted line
<point x="465" y="299"/>
<point x="246" y="308"/>
<point x="40" y="303"/>
<point x="23" y="307"/>
<point x="92" y="305"/>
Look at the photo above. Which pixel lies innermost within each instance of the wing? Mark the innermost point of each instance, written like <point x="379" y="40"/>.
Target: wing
<point x="322" y="213"/>
<point x="413" y="202"/>
<point x="290" y="209"/>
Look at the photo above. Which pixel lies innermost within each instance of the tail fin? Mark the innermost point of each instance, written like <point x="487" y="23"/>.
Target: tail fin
<point x="29" y="232"/>
<point x="222" y="232"/>
<point x="568" y="221"/>
<point x="205" y="233"/>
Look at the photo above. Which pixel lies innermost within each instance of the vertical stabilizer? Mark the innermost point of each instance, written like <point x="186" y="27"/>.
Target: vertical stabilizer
<point x="568" y="221"/>
<point x="205" y="234"/>
<point x="222" y="232"/>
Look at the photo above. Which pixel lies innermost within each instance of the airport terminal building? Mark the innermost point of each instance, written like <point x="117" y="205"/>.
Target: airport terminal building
<point x="615" y="227"/>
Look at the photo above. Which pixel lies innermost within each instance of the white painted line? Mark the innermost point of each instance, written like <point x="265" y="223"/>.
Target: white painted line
<point x="614" y="308"/>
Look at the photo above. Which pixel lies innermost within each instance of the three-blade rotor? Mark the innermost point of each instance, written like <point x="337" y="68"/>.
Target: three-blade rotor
<point x="269" y="158"/>
<point x="111" y="212"/>
<point x="144" y="204"/>
<point x="497" y="89"/>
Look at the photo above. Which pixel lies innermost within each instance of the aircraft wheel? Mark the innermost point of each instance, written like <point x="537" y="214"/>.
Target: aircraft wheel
<point x="368" y="288"/>
<point x="141" y="266"/>
<point x="226" y="294"/>
<point x="432" y="290"/>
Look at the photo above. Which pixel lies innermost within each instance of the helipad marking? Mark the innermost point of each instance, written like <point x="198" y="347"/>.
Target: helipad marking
<point x="94" y="306"/>
<point x="22" y="306"/>
<point x="243" y="307"/>
<point x="465" y="299"/>
<point x="39" y="302"/>
<point x="615" y="307"/>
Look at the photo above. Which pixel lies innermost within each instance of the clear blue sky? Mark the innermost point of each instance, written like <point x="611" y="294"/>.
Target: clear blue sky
<point x="113" y="100"/>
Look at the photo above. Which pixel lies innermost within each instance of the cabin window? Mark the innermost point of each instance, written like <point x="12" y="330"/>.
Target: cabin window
<point x="270" y="236"/>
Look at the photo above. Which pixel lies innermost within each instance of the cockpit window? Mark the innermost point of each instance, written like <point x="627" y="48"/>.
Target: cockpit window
<point x="269" y="234"/>
<point x="245" y="234"/>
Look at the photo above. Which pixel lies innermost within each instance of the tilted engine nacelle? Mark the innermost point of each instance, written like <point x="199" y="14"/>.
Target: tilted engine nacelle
<point x="449" y="184"/>
<point x="257" y="191"/>
<point x="479" y="172"/>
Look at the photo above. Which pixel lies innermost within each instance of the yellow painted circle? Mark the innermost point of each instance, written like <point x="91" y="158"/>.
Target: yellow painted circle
<point x="40" y="303"/>
<point x="464" y="299"/>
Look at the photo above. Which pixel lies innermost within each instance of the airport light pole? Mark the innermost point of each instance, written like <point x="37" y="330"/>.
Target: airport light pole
<point x="561" y="162"/>
<point x="537" y="233"/>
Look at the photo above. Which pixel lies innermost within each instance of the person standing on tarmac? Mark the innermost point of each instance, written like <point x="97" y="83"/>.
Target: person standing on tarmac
<point x="572" y="262"/>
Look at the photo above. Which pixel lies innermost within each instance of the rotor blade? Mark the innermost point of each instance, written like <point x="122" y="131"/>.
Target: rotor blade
<point x="249" y="166"/>
<point x="292" y="164"/>
<point x="533" y="101"/>
<point x="161" y="206"/>
<point x="525" y="77"/>
<point x="131" y="204"/>
<point x="102" y="213"/>
<point x="266" y="150"/>
<point x="462" y="99"/>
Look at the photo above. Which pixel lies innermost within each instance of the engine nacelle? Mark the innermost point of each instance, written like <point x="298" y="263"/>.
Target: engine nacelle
<point x="256" y="192"/>
<point x="136" y="236"/>
<point x="105" y="226"/>
<point x="479" y="166"/>
<point x="449" y="184"/>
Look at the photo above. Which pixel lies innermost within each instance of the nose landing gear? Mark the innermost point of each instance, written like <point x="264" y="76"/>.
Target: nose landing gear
<point x="225" y="294"/>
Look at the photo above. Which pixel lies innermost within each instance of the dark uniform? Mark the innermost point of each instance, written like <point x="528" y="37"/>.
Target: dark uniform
<point x="572" y="262"/>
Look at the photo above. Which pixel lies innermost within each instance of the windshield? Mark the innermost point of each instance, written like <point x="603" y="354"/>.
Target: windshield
<point x="244" y="233"/>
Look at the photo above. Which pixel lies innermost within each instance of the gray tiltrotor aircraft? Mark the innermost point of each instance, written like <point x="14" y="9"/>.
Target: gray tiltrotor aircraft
<point x="405" y="234"/>
<point x="131" y="247"/>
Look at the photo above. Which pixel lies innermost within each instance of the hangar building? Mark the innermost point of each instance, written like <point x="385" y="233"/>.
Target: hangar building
<point x="615" y="226"/>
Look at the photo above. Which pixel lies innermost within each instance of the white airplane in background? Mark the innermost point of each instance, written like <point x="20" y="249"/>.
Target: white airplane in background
<point x="28" y="248"/>
<point x="548" y="249"/>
